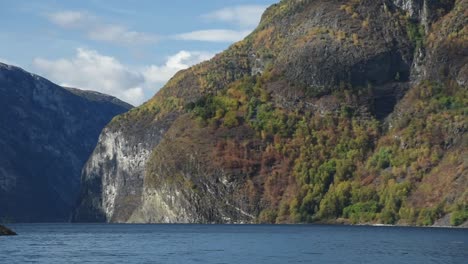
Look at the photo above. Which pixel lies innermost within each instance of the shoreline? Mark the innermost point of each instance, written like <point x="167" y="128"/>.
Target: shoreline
<point x="5" y="231"/>
<point x="463" y="226"/>
<point x="346" y="223"/>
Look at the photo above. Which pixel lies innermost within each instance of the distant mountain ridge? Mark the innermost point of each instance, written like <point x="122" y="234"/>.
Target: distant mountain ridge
<point x="47" y="133"/>
<point x="98" y="97"/>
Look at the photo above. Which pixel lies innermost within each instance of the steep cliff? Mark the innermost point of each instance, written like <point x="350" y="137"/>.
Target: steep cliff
<point x="47" y="134"/>
<point x="352" y="110"/>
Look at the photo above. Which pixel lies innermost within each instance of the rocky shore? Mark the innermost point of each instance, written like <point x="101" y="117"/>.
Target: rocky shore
<point x="4" y="231"/>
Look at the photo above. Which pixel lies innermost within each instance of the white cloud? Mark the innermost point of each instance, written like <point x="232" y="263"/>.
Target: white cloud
<point x="97" y="30"/>
<point x="182" y="60"/>
<point x="119" y="34"/>
<point x="214" y="35"/>
<point x="244" y="15"/>
<point x="70" y="19"/>
<point x="90" y="70"/>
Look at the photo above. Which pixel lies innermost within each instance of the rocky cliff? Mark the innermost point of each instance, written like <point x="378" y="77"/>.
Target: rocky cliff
<point x="351" y="110"/>
<point x="47" y="134"/>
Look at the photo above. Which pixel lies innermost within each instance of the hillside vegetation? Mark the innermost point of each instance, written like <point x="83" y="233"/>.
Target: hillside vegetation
<point x="330" y="111"/>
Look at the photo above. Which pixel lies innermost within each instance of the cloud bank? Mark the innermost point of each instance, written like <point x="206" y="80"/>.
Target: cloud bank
<point x="184" y="59"/>
<point x="91" y="70"/>
<point x="88" y="69"/>
<point x="243" y="17"/>
<point x="96" y="30"/>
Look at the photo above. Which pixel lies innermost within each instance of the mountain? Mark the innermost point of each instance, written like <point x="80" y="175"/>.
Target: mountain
<point x="47" y="134"/>
<point x="330" y="111"/>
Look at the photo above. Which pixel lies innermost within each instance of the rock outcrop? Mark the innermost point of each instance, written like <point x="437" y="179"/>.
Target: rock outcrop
<point x="6" y="232"/>
<point x="47" y="134"/>
<point x="318" y="114"/>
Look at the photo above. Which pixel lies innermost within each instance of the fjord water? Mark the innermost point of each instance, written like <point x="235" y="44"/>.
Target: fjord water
<point x="100" y="243"/>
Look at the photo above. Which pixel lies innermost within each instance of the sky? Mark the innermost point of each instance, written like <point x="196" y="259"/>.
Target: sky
<point x="125" y="48"/>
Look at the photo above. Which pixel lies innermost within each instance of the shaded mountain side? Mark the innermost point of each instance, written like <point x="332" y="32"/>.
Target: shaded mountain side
<point x="352" y="110"/>
<point x="48" y="133"/>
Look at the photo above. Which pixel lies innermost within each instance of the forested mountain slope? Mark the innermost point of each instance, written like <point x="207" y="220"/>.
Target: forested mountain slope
<point x="351" y="111"/>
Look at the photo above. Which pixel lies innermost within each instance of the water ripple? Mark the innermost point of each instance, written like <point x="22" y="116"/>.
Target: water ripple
<point x="129" y="244"/>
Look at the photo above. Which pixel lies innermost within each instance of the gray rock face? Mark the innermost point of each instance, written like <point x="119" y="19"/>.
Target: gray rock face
<point x="413" y="7"/>
<point x="47" y="134"/>
<point x="112" y="179"/>
<point x="116" y="187"/>
<point x="425" y="11"/>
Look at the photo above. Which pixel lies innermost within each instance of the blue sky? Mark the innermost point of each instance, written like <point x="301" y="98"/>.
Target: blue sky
<point x="125" y="48"/>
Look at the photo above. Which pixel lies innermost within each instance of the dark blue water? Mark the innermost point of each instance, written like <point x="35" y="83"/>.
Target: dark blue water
<point x="96" y="243"/>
